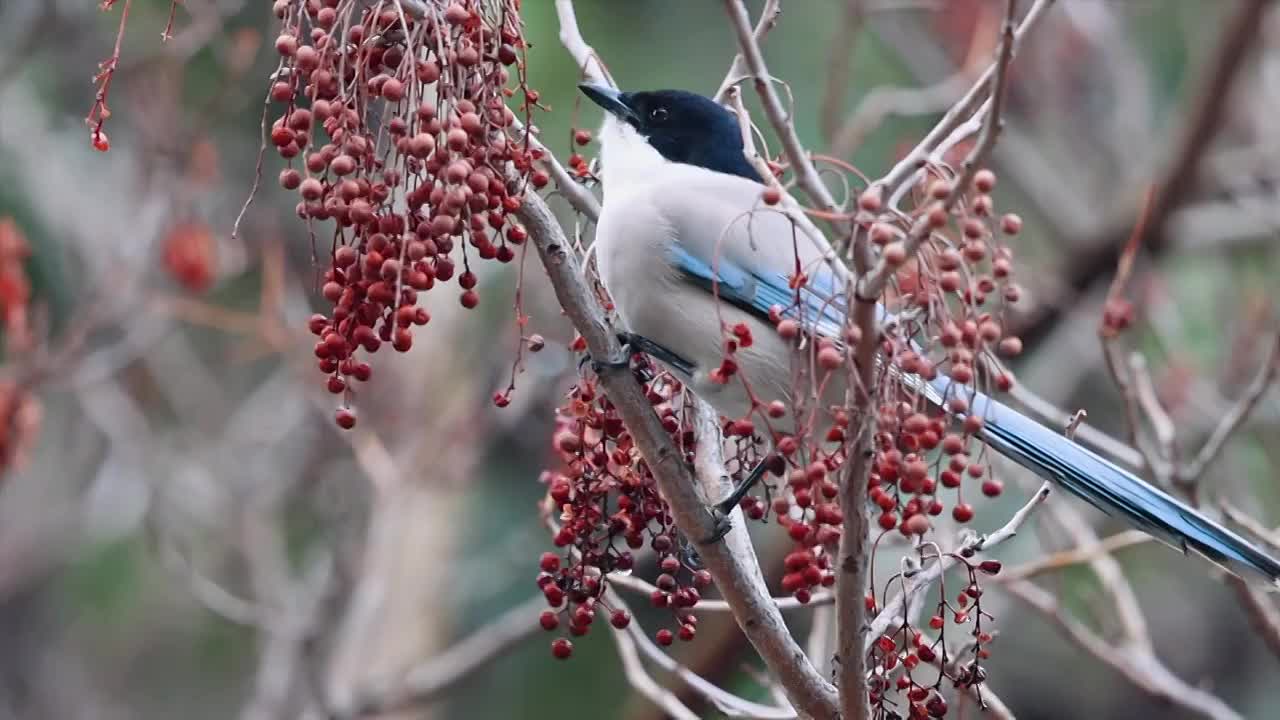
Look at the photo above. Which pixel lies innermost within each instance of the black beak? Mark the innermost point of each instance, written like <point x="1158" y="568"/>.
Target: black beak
<point x="611" y="100"/>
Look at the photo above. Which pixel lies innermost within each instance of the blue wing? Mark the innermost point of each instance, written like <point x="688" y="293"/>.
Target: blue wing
<point x="1044" y="452"/>
<point x="817" y="304"/>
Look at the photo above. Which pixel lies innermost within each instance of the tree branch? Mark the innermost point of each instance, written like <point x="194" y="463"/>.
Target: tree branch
<point x="967" y="106"/>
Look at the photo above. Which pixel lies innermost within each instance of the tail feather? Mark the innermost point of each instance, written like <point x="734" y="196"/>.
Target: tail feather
<point x="1114" y="490"/>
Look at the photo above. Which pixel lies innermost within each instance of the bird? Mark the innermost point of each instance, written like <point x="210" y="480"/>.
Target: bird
<point x="685" y="246"/>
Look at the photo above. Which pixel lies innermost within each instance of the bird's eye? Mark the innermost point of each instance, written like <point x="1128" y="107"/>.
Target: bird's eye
<point x="658" y="114"/>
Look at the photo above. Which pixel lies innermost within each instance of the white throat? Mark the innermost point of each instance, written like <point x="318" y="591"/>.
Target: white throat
<point x="626" y="158"/>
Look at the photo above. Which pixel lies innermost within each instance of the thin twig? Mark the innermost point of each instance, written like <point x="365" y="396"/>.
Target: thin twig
<point x="1149" y="401"/>
<point x="452" y="666"/>
<point x="1234" y="417"/>
<point x="644" y="587"/>
<point x="740" y="70"/>
<point x="633" y="670"/>
<point x="1269" y="537"/>
<point x="912" y="161"/>
<point x="807" y="176"/>
<point x="873" y="284"/>
<point x="891" y="614"/>
<point x="1074" y="556"/>
<point x="1261" y="612"/>
<point x="724" y="701"/>
<point x="1134" y="663"/>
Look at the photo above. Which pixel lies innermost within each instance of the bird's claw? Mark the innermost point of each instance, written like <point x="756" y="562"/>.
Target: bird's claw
<point x="721" y="524"/>
<point x="600" y="366"/>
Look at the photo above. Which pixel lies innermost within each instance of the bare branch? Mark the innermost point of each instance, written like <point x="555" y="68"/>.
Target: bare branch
<point x="807" y="176"/>
<point x="881" y="103"/>
<point x="1134" y="663"/>
<point x="1267" y="536"/>
<point x="1095" y="257"/>
<point x="1074" y="556"/>
<point x="1236" y="416"/>
<point x="958" y="113"/>
<point x="872" y="285"/>
<point x="643" y="683"/>
<point x="454" y="665"/>
<point x="589" y="63"/>
<point x="578" y="196"/>
<point x="739" y="70"/>
<point x="724" y="701"/>
<point x="1261" y="611"/>
<point x="1161" y="423"/>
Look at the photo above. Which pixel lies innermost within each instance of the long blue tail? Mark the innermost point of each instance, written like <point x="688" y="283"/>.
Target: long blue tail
<point x="1112" y="489"/>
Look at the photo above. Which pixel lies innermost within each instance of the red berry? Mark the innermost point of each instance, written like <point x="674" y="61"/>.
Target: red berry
<point x="561" y="648"/>
<point x="549" y="620"/>
<point x="393" y="90"/>
<point x="345" y="418"/>
<point x="549" y="562"/>
<point x="984" y="181"/>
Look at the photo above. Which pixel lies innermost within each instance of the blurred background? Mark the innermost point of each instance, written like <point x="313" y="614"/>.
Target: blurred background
<point x="184" y="532"/>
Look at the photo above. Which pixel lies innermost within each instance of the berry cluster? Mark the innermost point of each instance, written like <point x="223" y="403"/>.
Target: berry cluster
<point x="397" y="129"/>
<point x="604" y="504"/>
<point x="950" y="298"/>
<point x="907" y="647"/>
<point x="953" y="293"/>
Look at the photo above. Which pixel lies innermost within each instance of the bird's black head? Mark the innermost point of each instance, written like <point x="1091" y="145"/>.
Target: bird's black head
<point x="683" y="127"/>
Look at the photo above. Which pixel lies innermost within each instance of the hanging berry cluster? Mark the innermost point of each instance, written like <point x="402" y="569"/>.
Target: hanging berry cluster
<point x="604" y="505"/>
<point x="952" y="298"/>
<point x="905" y="648"/>
<point x="396" y="127"/>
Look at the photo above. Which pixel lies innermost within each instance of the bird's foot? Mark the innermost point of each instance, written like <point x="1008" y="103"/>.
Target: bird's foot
<point x="721" y="523"/>
<point x="599" y="367"/>
<point x="721" y="511"/>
